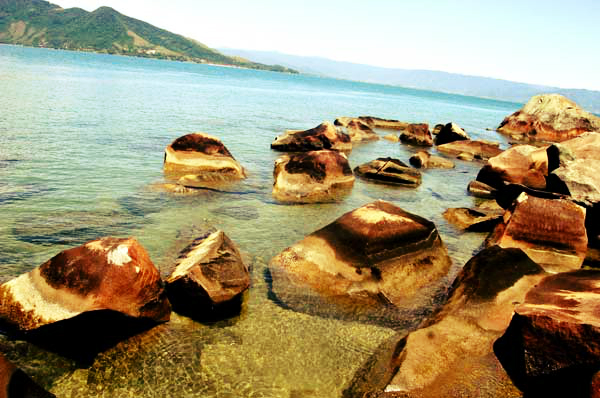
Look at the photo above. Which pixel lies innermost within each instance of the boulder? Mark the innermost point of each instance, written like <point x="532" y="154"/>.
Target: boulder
<point x="387" y="124"/>
<point x="105" y="274"/>
<point x="476" y="220"/>
<point x="521" y="164"/>
<point x="449" y="133"/>
<point x="425" y="160"/>
<point x="417" y="134"/>
<point x="366" y="265"/>
<point x="469" y="150"/>
<point x="389" y="171"/>
<point x="549" y="117"/>
<point x="315" y="176"/>
<point x="14" y="383"/>
<point x="204" y="156"/>
<point x="552" y="346"/>
<point x="451" y="354"/>
<point x="481" y="190"/>
<point x="324" y="136"/>
<point x="209" y="275"/>
<point x="360" y="131"/>
<point x="551" y="231"/>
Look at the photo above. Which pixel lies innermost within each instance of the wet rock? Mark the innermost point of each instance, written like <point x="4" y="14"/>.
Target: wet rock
<point x="202" y="155"/>
<point x="469" y="150"/>
<point x="209" y="276"/>
<point x="14" y="383"/>
<point x="477" y="220"/>
<point x="451" y="354"/>
<point x="549" y="117"/>
<point x="551" y="231"/>
<point x="552" y="346"/>
<point x="366" y="265"/>
<point x="425" y="160"/>
<point x="109" y="274"/>
<point x="437" y="128"/>
<point x="360" y="131"/>
<point x="389" y="171"/>
<point x="387" y="124"/>
<point x="449" y="133"/>
<point x="521" y="164"/>
<point x="481" y="190"/>
<point x="324" y="136"/>
<point x="316" y="176"/>
<point x="392" y="138"/>
<point x="417" y="134"/>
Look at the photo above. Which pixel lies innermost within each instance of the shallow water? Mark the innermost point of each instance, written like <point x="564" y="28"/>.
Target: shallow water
<point x="81" y="149"/>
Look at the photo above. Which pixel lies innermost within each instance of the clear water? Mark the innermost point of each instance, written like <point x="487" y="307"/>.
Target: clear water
<point x="81" y="149"/>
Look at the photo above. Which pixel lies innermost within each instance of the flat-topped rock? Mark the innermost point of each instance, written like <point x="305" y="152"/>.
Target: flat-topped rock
<point x="372" y="260"/>
<point x="417" y="134"/>
<point x="549" y="117"/>
<point x="389" y="171"/>
<point x="551" y="231"/>
<point x="449" y="133"/>
<point x="105" y="274"/>
<point x="324" y="136"/>
<point x="203" y="156"/>
<point x="316" y="176"/>
<point x="359" y="131"/>
<point x="469" y="150"/>
<point x="552" y="346"/>
<point x="14" y="383"/>
<point x="387" y="124"/>
<point x="425" y="160"/>
<point x="520" y="164"/>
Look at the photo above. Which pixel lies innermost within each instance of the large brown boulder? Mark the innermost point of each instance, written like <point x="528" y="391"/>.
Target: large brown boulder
<point x="202" y="156"/>
<point x="552" y="346"/>
<point x="389" y="171"/>
<point x="359" y="131"/>
<point x="468" y="149"/>
<point x="324" y="136"/>
<point x="105" y="274"/>
<point x="374" y="260"/>
<point x="551" y="231"/>
<point x="417" y="134"/>
<point x="423" y="159"/>
<point x="14" y="383"/>
<point x="316" y="176"/>
<point x="449" y="133"/>
<point x="521" y="164"/>
<point x="549" y="117"/>
<point x="209" y="275"/>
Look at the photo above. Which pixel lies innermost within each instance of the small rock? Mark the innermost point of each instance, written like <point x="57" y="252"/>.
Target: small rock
<point x="449" y="133"/>
<point x="392" y="137"/>
<point x="477" y="220"/>
<point x="389" y="171"/>
<point x="425" y="160"/>
<point x="481" y="190"/>
<point x="417" y="134"/>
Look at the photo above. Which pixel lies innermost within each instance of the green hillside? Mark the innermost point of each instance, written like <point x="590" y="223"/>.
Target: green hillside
<point x="41" y="24"/>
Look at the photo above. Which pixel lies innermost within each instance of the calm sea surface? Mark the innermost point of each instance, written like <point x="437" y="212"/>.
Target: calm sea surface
<point x="82" y="138"/>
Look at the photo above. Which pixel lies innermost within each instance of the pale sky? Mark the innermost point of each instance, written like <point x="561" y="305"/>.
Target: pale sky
<point x="549" y="42"/>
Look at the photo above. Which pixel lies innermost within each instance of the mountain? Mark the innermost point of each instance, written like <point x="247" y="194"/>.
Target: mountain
<point x="421" y="79"/>
<point x="42" y="24"/>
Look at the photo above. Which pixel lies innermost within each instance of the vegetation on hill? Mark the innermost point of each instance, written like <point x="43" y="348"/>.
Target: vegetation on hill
<point x="42" y="24"/>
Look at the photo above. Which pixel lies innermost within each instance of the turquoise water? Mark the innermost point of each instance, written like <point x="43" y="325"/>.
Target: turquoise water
<point x="81" y="149"/>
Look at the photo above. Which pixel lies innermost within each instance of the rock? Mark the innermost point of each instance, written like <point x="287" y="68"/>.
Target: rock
<point x="437" y="128"/>
<point x="209" y="275"/>
<point x="477" y="220"/>
<point x="549" y="117"/>
<point x="392" y="137"/>
<point x="425" y="160"/>
<point x="417" y="134"/>
<point x="374" y="260"/>
<point x="521" y="164"/>
<point x="316" y="176"/>
<point x="14" y="383"/>
<point x="324" y="136"/>
<point x="451" y="354"/>
<point x="552" y="346"/>
<point x="449" y="133"/>
<point x="204" y="156"/>
<point x="469" y="150"/>
<point x="388" y="124"/>
<point x="551" y="231"/>
<point x="360" y="131"/>
<point x="481" y="190"/>
<point x="343" y="121"/>
<point x="105" y="274"/>
<point x="389" y="171"/>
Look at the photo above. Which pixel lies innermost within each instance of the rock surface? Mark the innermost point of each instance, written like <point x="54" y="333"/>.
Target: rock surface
<point x="360" y="131"/>
<point x="551" y="231"/>
<point x="387" y="124"/>
<point x="417" y="134"/>
<point x="521" y="164"/>
<point x="324" y="136"/>
<point x="14" y="383"/>
<point x="449" y="133"/>
<point x="469" y="150"/>
<point x="552" y="346"/>
<point x="477" y="220"/>
<point x="425" y="160"/>
<point x="392" y="138"/>
<point x="481" y="190"/>
<point x="549" y="117"/>
<point x="105" y="274"/>
<point x="375" y="258"/>
<point x="208" y="274"/>
<point x="316" y="176"/>
<point x="389" y="171"/>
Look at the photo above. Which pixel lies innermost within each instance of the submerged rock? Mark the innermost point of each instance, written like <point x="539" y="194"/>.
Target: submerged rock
<point x="449" y="133"/>
<point x="549" y="117"/>
<point x="521" y="164"/>
<point x="365" y="265"/>
<point x="105" y="274"/>
<point x="316" y="176"/>
<point x="324" y="136"/>
<point x="552" y="346"/>
<point x="389" y="171"/>
<point x="469" y="150"/>
<point x="425" y="160"/>
<point x="417" y="134"/>
<point x="14" y="383"/>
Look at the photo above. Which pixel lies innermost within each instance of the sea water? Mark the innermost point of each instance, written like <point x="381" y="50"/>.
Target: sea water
<point x="82" y="140"/>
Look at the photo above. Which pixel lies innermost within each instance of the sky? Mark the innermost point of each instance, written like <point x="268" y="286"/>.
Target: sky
<point x="549" y="42"/>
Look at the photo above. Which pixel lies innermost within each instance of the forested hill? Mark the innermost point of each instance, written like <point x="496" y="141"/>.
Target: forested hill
<point x="42" y="24"/>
